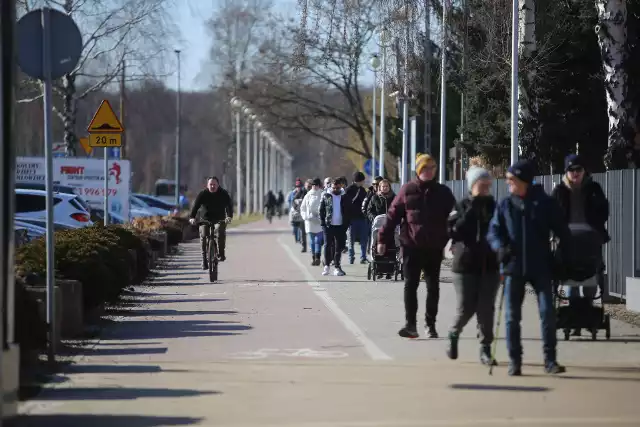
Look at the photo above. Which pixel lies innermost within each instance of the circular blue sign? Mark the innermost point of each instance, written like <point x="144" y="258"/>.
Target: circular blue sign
<point x="367" y="167"/>
<point x="65" y="43"/>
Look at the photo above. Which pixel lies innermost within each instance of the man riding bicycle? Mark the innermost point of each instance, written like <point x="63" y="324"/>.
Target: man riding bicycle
<point x="215" y="206"/>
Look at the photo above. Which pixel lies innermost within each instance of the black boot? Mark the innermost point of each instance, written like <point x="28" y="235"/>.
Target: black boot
<point x="408" y="331"/>
<point x="204" y="265"/>
<point x="431" y="331"/>
<point x="452" y="350"/>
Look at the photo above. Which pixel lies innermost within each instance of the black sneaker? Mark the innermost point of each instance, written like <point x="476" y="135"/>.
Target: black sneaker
<point x="576" y="332"/>
<point x="222" y="258"/>
<point x="364" y="261"/>
<point x="553" y="368"/>
<point x="352" y="260"/>
<point x="515" y="369"/>
<point x="431" y="331"/>
<point x="204" y="265"/>
<point x="452" y="350"/>
<point x="485" y="356"/>
<point x="408" y="332"/>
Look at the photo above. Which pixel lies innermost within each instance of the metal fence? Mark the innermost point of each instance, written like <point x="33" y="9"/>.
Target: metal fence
<point x="622" y="253"/>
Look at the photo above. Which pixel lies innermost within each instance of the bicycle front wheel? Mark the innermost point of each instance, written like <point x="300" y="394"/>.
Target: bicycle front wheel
<point x="213" y="260"/>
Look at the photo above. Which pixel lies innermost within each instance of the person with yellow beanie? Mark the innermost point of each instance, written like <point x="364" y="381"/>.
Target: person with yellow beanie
<point x="422" y="209"/>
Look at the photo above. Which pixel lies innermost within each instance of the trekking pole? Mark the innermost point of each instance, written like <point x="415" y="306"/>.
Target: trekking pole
<point x="495" y="336"/>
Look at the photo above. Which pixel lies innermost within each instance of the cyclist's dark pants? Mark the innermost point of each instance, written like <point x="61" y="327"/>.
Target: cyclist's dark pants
<point x="222" y="239"/>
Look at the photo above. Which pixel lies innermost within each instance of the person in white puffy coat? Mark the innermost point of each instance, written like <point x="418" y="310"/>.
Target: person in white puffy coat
<point x="310" y="211"/>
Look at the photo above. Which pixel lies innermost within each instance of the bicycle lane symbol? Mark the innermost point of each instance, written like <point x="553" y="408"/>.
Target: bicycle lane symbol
<point x="307" y="353"/>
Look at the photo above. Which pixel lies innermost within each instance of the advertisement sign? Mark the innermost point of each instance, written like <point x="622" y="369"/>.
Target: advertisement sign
<point x="86" y="176"/>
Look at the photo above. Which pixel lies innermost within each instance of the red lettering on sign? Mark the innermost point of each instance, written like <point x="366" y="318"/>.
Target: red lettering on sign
<point x="72" y="170"/>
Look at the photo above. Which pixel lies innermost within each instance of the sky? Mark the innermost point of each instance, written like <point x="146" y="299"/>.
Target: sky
<point x="191" y="18"/>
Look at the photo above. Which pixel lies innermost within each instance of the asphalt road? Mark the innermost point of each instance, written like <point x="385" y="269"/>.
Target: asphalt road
<point x="276" y="343"/>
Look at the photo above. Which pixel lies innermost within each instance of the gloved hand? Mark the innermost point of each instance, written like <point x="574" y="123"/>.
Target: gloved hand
<point x="192" y="221"/>
<point x="504" y="254"/>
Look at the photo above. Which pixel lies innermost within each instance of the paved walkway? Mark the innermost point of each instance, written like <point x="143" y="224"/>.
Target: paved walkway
<point x="277" y="344"/>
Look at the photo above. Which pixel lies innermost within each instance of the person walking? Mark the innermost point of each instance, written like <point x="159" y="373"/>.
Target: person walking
<point x="380" y="202"/>
<point x="280" y="203"/>
<point x="582" y="202"/>
<point x="334" y="219"/>
<point x="310" y="210"/>
<point x="270" y="203"/>
<point x="519" y="233"/>
<point x="294" y="194"/>
<point x="358" y="230"/>
<point x="371" y="192"/>
<point x="476" y="275"/>
<point x="295" y="218"/>
<point x="422" y="209"/>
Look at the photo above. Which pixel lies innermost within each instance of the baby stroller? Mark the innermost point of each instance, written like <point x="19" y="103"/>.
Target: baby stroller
<point x="584" y="269"/>
<point x="387" y="264"/>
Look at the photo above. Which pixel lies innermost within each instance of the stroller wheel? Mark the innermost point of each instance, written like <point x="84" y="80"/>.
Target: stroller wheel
<point x="594" y="334"/>
<point x="567" y="334"/>
<point x="607" y="327"/>
<point x="369" y="272"/>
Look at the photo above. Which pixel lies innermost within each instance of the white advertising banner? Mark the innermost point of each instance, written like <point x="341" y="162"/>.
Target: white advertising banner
<point x="86" y="176"/>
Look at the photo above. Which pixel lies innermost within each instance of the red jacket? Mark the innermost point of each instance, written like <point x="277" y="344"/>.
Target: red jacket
<point x="425" y="209"/>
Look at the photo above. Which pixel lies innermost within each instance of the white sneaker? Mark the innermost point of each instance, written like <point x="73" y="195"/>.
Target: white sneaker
<point x="325" y="270"/>
<point x="338" y="272"/>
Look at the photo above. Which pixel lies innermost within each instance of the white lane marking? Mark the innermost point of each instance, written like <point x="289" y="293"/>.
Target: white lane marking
<point x="267" y="285"/>
<point x="264" y="353"/>
<point x="370" y="347"/>
<point x="206" y="294"/>
<point x="529" y="422"/>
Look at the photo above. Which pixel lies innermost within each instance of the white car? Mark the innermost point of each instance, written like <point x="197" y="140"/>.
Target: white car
<point x="138" y="204"/>
<point x="33" y="231"/>
<point x="66" y="208"/>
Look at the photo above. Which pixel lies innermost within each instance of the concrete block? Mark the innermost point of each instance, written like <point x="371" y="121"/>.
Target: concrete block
<point x="633" y="294"/>
<point x="72" y="308"/>
<point x="39" y="295"/>
<point x="10" y="383"/>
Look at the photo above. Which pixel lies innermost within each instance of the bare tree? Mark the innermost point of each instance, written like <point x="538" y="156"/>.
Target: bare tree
<point x="137" y="32"/>
<point x="314" y="81"/>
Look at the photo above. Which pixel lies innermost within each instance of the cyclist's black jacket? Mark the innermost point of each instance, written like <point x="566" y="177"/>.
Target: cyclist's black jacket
<point x="213" y="206"/>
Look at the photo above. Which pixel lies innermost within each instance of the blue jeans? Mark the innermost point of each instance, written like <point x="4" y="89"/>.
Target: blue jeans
<point x="316" y="240"/>
<point x="515" y="289"/>
<point x="358" y="231"/>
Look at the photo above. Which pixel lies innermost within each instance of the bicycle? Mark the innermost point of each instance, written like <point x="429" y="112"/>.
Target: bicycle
<point x="212" y="248"/>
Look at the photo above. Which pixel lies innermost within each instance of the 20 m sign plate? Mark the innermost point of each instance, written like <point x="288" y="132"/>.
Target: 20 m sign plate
<point x="105" y="140"/>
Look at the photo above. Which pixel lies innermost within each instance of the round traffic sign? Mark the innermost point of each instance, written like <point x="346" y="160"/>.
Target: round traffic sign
<point x="65" y="42"/>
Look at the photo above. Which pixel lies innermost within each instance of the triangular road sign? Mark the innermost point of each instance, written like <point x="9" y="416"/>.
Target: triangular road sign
<point x="84" y="142"/>
<point x="105" y="120"/>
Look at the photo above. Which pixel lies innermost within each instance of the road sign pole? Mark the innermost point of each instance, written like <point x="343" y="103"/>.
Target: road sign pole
<point x="48" y="150"/>
<point x="106" y="186"/>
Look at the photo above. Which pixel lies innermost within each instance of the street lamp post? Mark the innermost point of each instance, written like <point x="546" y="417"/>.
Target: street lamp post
<point x="237" y="105"/>
<point x="247" y="165"/>
<point x="375" y="64"/>
<point x="514" y="82"/>
<point x="256" y="191"/>
<point x="443" y="96"/>
<point x="247" y="115"/>
<point x="177" y="159"/>
<point x="384" y="43"/>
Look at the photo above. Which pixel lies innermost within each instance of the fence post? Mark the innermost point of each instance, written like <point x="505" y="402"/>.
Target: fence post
<point x="634" y="224"/>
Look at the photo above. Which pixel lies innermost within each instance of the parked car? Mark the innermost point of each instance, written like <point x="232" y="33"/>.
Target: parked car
<point x="163" y="208"/>
<point x="139" y="204"/>
<point x="42" y="223"/>
<point x="67" y="189"/>
<point x="33" y="231"/>
<point x="67" y="209"/>
<point x="155" y="202"/>
<point x="114" y="218"/>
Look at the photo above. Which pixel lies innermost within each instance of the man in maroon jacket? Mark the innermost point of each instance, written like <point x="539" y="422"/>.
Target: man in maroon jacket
<point x="422" y="207"/>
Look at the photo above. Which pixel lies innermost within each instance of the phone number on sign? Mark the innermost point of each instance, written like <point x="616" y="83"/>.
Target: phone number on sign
<point x="93" y="192"/>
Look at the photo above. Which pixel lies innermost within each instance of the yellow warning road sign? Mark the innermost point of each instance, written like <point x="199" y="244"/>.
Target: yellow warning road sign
<point x="105" y="140"/>
<point x="105" y="120"/>
<point x="84" y="142"/>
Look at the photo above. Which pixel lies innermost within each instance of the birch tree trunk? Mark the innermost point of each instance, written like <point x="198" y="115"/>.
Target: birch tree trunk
<point x="527" y="103"/>
<point x="612" y="39"/>
<point x="69" y="114"/>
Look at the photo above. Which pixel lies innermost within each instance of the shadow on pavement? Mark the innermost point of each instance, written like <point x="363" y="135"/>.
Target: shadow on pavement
<point x="137" y="302"/>
<point x="172" y="281"/>
<point x="117" y="393"/>
<point x="166" y="312"/>
<point x="236" y="231"/>
<point x="493" y="387"/>
<point x="163" y="329"/>
<point x="96" y="351"/>
<point x="63" y="420"/>
<point x="118" y="369"/>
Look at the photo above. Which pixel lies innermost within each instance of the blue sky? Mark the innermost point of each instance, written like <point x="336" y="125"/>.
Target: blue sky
<point x="191" y="18"/>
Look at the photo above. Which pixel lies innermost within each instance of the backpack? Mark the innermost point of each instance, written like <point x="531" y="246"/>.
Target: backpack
<point x="294" y="213"/>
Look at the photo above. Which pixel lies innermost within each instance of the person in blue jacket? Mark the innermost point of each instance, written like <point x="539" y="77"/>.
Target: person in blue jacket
<point x="520" y="233"/>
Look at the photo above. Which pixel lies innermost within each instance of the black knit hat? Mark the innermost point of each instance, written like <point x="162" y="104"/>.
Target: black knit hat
<point x="523" y="170"/>
<point x="358" y="176"/>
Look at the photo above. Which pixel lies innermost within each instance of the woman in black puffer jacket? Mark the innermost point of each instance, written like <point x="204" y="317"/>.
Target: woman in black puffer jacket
<point x="476" y="274"/>
<point x="380" y="203"/>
